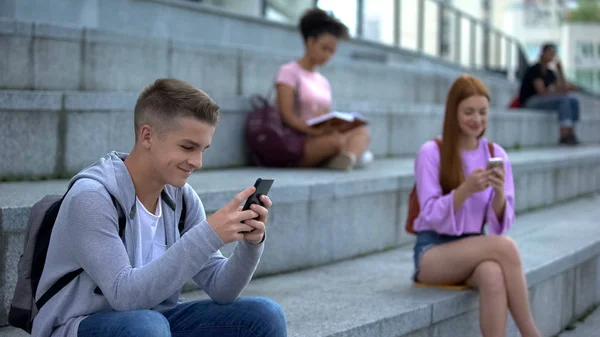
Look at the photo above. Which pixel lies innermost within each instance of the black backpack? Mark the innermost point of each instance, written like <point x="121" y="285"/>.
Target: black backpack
<point x="23" y="307"/>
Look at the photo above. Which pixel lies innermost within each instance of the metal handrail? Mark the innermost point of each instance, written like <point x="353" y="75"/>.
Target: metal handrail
<point x="514" y="50"/>
<point x="512" y="65"/>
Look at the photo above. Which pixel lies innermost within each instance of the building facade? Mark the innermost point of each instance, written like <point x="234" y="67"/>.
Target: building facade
<point x="536" y="22"/>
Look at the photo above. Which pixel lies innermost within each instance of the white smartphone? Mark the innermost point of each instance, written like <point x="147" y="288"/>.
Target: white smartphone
<point x="495" y="163"/>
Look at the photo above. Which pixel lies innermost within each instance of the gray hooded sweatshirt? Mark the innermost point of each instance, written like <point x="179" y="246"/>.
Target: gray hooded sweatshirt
<point x="86" y="236"/>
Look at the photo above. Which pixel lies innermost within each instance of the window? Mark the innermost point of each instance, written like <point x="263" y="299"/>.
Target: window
<point x="587" y="50"/>
<point x="485" y="5"/>
<point x="378" y="20"/>
<point x="536" y="16"/>
<point x="275" y="15"/>
<point x="584" y="52"/>
<point x="286" y="11"/>
<point x="345" y="11"/>
<point x="562" y="15"/>
<point x="532" y="51"/>
<point x="584" y="78"/>
<point x="558" y="53"/>
<point x="446" y="28"/>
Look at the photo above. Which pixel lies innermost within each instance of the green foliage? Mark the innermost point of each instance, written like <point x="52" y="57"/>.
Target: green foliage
<point x="588" y="11"/>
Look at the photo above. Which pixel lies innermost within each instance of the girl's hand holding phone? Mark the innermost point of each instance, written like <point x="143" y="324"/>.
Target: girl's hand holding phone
<point x="496" y="177"/>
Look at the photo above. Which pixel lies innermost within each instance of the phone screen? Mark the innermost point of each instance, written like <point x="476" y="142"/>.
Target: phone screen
<point x="495" y="163"/>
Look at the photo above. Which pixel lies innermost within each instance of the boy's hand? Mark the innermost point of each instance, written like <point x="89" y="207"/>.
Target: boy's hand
<point x="258" y="225"/>
<point x="228" y="222"/>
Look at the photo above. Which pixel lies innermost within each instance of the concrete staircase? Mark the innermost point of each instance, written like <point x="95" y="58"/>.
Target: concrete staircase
<point x="69" y="79"/>
<point x="325" y="223"/>
<point x="65" y="131"/>
<point x="337" y="257"/>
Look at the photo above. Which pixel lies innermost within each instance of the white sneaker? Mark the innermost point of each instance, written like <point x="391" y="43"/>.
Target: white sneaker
<point x="341" y="162"/>
<point x="365" y="159"/>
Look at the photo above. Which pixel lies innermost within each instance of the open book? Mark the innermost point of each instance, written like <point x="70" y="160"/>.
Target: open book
<point x="343" y="121"/>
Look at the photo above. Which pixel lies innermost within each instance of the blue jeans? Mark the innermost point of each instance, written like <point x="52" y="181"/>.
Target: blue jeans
<point x="246" y="317"/>
<point x="567" y="106"/>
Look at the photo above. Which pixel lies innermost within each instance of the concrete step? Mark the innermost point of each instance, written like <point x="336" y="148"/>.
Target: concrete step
<point x="323" y="212"/>
<point x="53" y="56"/>
<point x="57" y="133"/>
<point x="49" y="56"/>
<point x="197" y="20"/>
<point x="374" y="296"/>
<point x="586" y="327"/>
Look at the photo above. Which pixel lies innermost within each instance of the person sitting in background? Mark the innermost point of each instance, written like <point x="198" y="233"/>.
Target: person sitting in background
<point x="303" y="93"/>
<point x="542" y="89"/>
<point x="457" y="194"/>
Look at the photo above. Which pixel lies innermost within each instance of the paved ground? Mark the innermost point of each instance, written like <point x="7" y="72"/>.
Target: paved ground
<point x="590" y="327"/>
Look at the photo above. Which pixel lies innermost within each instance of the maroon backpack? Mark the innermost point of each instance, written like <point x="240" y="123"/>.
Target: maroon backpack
<point x="269" y="140"/>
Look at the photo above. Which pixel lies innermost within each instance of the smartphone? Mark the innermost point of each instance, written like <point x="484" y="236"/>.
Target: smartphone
<point x="262" y="188"/>
<point x="495" y="163"/>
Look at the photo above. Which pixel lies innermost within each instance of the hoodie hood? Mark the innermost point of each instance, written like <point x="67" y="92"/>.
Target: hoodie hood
<point x="112" y="173"/>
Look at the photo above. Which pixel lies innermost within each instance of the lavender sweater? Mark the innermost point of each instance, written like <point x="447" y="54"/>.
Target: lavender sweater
<point x="437" y="210"/>
<point x="86" y="236"/>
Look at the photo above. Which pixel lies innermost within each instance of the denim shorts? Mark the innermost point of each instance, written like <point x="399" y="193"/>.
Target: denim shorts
<point x="428" y="239"/>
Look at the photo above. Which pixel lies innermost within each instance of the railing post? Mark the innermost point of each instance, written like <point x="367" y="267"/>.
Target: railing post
<point x="397" y="23"/>
<point x="421" y="26"/>
<point x="457" y="37"/>
<point x="440" y="33"/>
<point x="498" y="50"/>
<point x="360" y="16"/>
<point x="521" y="61"/>
<point x="486" y="46"/>
<point x="264" y="5"/>
<point x="509" y="58"/>
<point x="472" y="44"/>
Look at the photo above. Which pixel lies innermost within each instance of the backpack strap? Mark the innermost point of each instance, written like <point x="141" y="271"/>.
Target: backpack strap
<point x="123" y="222"/>
<point x="491" y="148"/>
<point x="65" y="279"/>
<point x="181" y="224"/>
<point x="413" y="201"/>
<point x="122" y="219"/>
<point x="56" y="287"/>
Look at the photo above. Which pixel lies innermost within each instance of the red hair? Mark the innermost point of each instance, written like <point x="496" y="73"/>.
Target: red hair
<point x="451" y="171"/>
